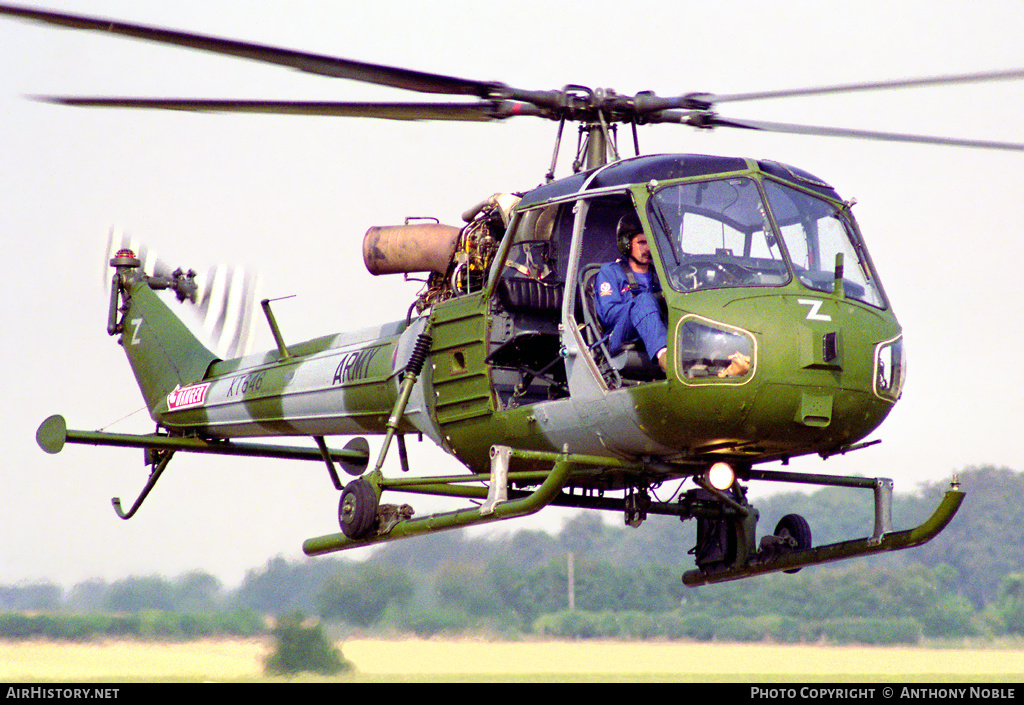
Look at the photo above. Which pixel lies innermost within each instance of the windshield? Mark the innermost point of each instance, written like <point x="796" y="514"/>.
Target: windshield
<point x="815" y="232"/>
<point x="716" y="234"/>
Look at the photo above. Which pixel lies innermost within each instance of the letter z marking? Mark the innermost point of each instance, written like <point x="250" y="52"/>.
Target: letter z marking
<point x="814" y="313"/>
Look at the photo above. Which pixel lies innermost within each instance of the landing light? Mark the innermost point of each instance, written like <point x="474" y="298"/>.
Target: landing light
<point x="720" y="476"/>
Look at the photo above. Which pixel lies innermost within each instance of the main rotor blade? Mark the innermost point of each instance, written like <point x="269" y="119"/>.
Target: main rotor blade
<point x="312" y="63"/>
<point x="483" y="111"/>
<point x="1004" y="75"/>
<point x="705" y="120"/>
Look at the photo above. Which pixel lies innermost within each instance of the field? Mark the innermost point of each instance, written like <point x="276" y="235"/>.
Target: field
<point x="432" y="660"/>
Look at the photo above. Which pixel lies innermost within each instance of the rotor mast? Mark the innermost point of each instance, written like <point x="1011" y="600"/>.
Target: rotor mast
<point x="598" y="111"/>
<point x="597" y="141"/>
<point x="601" y="143"/>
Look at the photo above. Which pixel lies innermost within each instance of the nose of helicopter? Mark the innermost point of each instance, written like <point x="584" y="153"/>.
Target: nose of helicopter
<point x="788" y="373"/>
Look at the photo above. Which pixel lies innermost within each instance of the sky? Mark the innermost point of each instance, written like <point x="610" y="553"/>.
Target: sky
<point x="291" y="198"/>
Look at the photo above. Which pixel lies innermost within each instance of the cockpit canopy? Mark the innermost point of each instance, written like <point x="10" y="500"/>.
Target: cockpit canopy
<point x="726" y="233"/>
<point x="713" y="223"/>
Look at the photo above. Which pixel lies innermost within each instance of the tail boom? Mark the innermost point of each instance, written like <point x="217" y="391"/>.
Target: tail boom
<point x="344" y="390"/>
<point x="337" y="385"/>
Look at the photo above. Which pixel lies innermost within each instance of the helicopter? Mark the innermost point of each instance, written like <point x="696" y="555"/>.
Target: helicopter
<point x="503" y="363"/>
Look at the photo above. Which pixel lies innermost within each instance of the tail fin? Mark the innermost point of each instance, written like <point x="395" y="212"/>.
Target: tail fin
<point x="163" y="351"/>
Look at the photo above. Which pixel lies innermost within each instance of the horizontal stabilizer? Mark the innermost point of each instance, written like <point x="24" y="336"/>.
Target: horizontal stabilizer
<point x="53" y="433"/>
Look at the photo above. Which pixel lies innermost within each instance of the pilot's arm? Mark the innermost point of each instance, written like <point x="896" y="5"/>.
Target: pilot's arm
<point x="611" y="290"/>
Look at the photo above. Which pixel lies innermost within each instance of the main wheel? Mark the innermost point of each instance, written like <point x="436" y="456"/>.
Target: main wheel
<point x="357" y="510"/>
<point x="796" y="528"/>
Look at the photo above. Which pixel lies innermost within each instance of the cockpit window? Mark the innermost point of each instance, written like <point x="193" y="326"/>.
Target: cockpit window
<point x="815" y="231"/>
<point x="716" y="234"/>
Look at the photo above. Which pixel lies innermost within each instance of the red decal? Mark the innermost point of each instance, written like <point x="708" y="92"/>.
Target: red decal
<point x="187" y="396"/>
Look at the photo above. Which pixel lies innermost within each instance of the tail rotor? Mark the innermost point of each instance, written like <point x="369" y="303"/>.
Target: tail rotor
<point x="223" y="300"/>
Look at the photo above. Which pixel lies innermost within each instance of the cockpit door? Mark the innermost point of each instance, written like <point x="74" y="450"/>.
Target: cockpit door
<point x="591" y="368"/>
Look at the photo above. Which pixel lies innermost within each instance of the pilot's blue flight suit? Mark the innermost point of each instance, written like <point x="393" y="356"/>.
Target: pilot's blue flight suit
<point x="630" y="311"/>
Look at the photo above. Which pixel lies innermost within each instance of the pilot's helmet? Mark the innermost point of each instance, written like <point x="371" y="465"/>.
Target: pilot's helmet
<point x="629" y="226"/>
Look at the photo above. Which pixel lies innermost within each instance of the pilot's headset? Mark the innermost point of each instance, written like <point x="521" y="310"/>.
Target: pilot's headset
<point x="629" y="226"/>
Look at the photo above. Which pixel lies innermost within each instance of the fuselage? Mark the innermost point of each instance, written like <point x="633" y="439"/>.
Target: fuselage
<point x="781" y="341"/>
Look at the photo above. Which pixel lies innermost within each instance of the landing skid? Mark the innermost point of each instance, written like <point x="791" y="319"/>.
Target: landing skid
<point x="726" y="523"/>
<point x="495" y="505"/>
<point x="790" y="562"/>
<point x="726" y="549"/>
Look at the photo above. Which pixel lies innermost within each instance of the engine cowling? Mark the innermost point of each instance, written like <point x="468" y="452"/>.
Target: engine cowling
<point x="420" y="247"/>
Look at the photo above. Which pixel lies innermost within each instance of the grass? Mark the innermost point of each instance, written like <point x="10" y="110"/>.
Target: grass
<point x="443" y="660"/>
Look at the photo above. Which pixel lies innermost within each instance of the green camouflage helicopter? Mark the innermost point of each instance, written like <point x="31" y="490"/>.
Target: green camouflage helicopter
<point x="780" y="341"/>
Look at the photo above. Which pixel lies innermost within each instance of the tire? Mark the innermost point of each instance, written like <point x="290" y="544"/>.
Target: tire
<point x="796" y="527"/>
<point x="357" y="509"/>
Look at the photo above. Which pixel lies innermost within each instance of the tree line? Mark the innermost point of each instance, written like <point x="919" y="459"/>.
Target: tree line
<point x="969" y="581"/>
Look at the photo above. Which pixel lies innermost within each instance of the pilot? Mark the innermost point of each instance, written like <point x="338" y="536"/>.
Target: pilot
<point x="626" y="293"/>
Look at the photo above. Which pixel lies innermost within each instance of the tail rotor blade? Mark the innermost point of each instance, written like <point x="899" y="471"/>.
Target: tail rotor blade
<point x="225" y="304"/>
